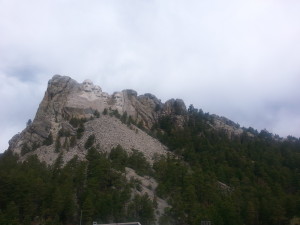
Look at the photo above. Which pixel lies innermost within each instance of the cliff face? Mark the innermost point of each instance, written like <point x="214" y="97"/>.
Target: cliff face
<point x="66" y="99"/>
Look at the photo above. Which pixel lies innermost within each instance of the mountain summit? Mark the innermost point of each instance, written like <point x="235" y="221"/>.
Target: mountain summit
<point x="70" y="112"/>
<point x="125" y="157"/>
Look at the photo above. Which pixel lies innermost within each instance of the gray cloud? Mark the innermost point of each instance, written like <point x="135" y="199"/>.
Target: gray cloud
<point x="235" y="58"/>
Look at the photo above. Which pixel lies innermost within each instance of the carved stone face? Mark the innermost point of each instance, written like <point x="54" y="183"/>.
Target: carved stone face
<point x="97" y="89"/>
<point x="104" y="95"/>
<point x="87" y="82"/>
<point x="118" y="98"/>
<point x="117" y="95"/>
<point x="87" y="85"/>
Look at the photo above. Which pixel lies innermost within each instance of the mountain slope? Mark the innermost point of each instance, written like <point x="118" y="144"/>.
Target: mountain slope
<point x="124" y="157"/>
<point x="66" y="101"/>
<point x="109" y="132"/>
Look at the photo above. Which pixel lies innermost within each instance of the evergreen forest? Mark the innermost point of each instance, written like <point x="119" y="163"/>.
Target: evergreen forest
<point x="251" y="179"/>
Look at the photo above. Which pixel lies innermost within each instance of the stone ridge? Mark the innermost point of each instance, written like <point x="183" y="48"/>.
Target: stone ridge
<point x="232" y="129"/>
<point x="65" y="98"/>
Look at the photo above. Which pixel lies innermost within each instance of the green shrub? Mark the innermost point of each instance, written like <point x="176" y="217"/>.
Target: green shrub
<point x="49" y="140"/>
<point x="96" y="114"/>
<point x="139" y="163"/>
<point x="72" y="141"/>
<point x="90" y="141"/>
<point x="80" y="131"/>
<point x="119" y="158"/>
<point x="105" y="111"/>
<point x="25" y="149"/>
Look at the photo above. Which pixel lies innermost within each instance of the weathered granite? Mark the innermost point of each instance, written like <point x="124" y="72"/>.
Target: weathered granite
<point x="65" y="98"/>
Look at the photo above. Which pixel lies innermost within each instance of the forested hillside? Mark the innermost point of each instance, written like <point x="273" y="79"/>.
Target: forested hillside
<point x="252" y="178"/>
<point x="33" y="193"/>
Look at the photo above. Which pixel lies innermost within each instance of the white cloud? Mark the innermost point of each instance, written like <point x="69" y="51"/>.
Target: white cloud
<point x="232" y="58"/>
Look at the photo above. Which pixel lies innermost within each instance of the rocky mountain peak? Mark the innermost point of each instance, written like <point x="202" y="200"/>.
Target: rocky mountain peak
<point x="175" y="107"/>
<point x="65" y="99"/>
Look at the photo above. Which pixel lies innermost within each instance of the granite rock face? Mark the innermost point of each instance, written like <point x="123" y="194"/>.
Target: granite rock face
<point x="65" y="99"/>
<point x="229" y="127"/>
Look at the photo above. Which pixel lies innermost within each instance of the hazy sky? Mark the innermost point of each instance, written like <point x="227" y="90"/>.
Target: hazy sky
<point x="238" y="59"/>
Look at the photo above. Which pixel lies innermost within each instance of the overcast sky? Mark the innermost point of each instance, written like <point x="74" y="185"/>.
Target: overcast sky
<point x="238" y="59"/>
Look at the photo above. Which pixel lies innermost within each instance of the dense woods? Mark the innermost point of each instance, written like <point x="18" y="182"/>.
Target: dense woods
<point x="33" y="193"/>
<point x="247" y="179"/>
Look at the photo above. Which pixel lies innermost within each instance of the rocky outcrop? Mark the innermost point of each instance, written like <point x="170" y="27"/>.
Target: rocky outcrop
<point x="174" y="107"/>
<point x="48" y="114"/>
<point x="65" y="99"/>
<point x="148" y="186"/>
<point x="229" y="127"/>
